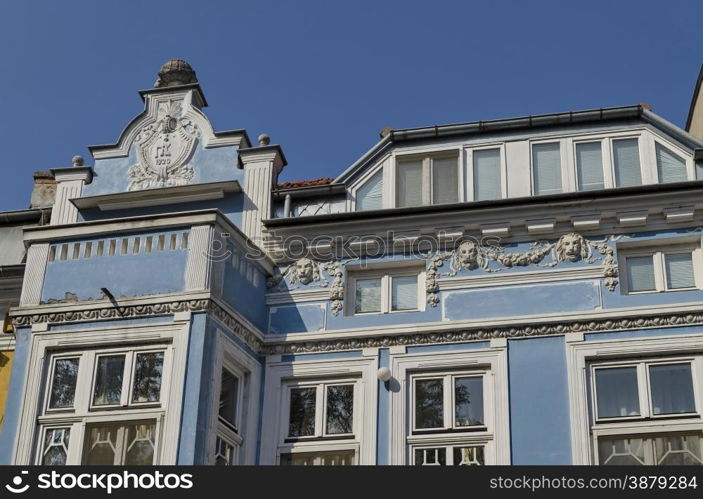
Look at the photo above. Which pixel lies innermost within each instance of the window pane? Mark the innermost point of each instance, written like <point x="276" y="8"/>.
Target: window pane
<point x="108" y="380"/>
<point x="626" y="157"/>
<point x="340" y="409"/>
<point x="671" y="167"/>
<point x="679" y="271"/>
<point x="147" y="377"/>
<point x="140" y="444"/>
<point x="617" y="394"/>
<point x="468" y="456"/>
<point x="55" y="449"/>
<point x="302" y="412"/>
<point x="431" y="457"/>
<point x="370" y="195"/>
<point x="672" y="389"/>
<point x="336" y="458"/>
<point x="621" y="451"/>
<point x="228" y="397"/>
<point x="429" y="403"/>
<point x="546" y="165"/>
<point x="468" y="400"/>
<point x="224" y="453"/>
<point x="63" y="386"/>
<point x="682" y="449"/>
<point x="445" y="180"/>
<point x="640" y="273"/>
<point x="404" y="293"/>
<point x="101" y="444"/>
<point x="120" y="443"/>
<point x="487" y="174"/>
<point x="368" y="295"/>
<point x="589" y="165"/>
<point x="409" y="183"/>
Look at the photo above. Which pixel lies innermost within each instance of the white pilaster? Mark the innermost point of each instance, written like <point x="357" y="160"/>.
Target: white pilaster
<point x="69" y="185"/>
<point x="262" y="166"/>
<point x="37" y="256"/>
<point x="200" y="253"/>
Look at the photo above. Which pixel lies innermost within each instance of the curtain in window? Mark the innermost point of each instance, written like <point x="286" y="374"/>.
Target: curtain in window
<point x="404" y="293"/>
<point x="640" y="273"/>
<point x="409" y="183"/>
<point x="445" y="180"/>
<point x="487" y="174"/>
<point x="626" y="156"/>
<point x="679" y="271"/>
<point x="699" y="170"/>
<point x="672" y="389"/>
<point x="589" y="165"/>
<point x="616" y="392"/>
<point x="370" y="195"/>
<point x="546" y="165"/>
<point x="671" y="167"/>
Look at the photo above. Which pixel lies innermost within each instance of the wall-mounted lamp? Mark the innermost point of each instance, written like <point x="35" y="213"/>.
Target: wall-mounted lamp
<point x="384" y="374"/>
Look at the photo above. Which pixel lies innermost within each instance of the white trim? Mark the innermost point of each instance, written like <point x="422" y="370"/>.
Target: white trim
<point x="35" y="270"/>
<point x="529" y="277"/>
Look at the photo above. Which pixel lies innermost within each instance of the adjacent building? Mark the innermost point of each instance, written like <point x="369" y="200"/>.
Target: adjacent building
<point x="516" y="291"/>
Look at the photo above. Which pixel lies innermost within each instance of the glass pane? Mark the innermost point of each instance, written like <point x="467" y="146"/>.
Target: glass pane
<point x="409" y="186"/>
<point x="108" y="380"/>
<point x="224" y="455"/>
<point x="626" y="157"/>
<point x="63" y="386"/>
<point x="429" y="403"/>
<point x="340" y="409"/>
<point x="487" y="174"/>
<point x="445" y="180"/>
<point x="671" y="167"/>
<point x="228" y="397"/>
<point x="431" y="457"/>
<point x="640" y="273"/>
<point x="621" y="451"/>
<point x="589" y="165"/>
<point x="404" y="293"/>
<point x="672" y="389"/>
<point x="468" y="456"/>
<point x="55" y="449"/>
<point x="147" y="377"/>
<point x="368" y="295"/>
<point x="120" y="443"/>
<point x="679" y="271"/>
<point x="336" y="458"/>
<point x="140" y="444"/>
<point x="684" y="449"/>
<point x="302" y="412"/>
<point x="370" y="195"/>
<point x="546" y="166"/>
<point x="101" y="444"/>
<point x="617" y="394"/>
<point x="468" y="400"/>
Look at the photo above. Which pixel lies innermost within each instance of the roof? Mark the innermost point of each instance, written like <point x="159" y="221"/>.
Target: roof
<point x="696" y="91"/>
<point x="294" y="184"/>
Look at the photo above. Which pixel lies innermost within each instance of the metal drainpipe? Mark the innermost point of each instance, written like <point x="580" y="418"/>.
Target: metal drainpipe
<point x="286" y="207"/>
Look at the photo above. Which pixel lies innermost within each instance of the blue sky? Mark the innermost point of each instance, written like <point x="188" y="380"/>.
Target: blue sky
<point x="323" y="77"/>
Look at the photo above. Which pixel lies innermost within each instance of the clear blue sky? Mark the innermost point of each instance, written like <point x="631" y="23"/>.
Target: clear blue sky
<point x="322" y="78"/>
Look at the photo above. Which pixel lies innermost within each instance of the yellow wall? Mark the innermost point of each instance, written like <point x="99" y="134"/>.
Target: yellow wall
<point x="5" y="366"/>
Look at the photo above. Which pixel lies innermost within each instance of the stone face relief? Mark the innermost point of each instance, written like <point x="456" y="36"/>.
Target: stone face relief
<point x="164" y="149"/>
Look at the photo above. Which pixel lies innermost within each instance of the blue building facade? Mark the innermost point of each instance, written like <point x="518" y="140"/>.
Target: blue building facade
<point x="520" y="291"/>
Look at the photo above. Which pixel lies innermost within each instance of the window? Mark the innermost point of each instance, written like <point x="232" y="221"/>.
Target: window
<point x="228" y="441"/>
<point x="626" y="162"/>
<point x="370" y="195"/>
<point x="487" y="174"/>
<point x="427" y="180"/>
<point x="589" y="166"/>
<point x="670" y="167"/>
<point x="647" y="411"/>
<point x="340" y="458"/>
<point x="385" y="292"/>
<point x="110" y="399"/>
<point x="652" y="270"/>
<point x="546" y="168"/>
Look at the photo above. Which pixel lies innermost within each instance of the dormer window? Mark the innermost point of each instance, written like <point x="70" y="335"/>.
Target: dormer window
<point x="370" y="195"/>
<point x="425" y="180"/>
<point x="670" y="166"/>
<point x="626" y="163"/>
<point x="546" y="168"/>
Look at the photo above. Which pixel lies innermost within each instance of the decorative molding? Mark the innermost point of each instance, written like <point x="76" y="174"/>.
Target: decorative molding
<point x="517" y="278"/>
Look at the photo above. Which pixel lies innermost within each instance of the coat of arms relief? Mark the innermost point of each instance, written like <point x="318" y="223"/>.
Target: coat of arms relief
<point x="164" y="149"/>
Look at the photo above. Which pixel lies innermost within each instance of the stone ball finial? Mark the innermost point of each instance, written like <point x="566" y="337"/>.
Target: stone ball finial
<point x="175" y="72"/>
<point x="77" y="160"/>
<point x="264" y="139"/>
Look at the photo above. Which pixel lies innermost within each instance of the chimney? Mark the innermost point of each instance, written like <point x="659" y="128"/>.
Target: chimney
<point x="44" y="191"/>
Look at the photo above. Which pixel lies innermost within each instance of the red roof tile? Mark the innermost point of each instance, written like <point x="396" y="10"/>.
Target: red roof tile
<point x="293" y="184"/>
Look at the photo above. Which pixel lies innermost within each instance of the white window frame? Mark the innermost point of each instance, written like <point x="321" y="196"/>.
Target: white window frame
<point x="280" y="375"/>
<point x="367" y="176"/>
<point x="679" y="151"/>
<point x="494" y="436"/>
<point x="172" y="337"/>
<point x="580" y="354"/>
<point x="565" y="167"/>
<point x="427" y="157"/>
<point x="658" y="249"/>
<point x="606" y="160"/>
<point x="470" y="190"/>
<point x="386" y="276"/>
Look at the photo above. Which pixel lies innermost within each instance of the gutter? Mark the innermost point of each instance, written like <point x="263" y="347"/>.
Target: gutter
<point x="31" y="215"/>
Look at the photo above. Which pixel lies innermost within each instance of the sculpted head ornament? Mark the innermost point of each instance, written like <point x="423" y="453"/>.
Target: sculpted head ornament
<point x="572" y="247"/>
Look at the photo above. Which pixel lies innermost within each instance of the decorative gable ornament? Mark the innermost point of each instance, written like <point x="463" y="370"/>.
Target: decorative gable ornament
<point x="164" y="150"/>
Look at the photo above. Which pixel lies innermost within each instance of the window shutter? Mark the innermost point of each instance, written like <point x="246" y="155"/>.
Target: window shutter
<point x="445" y="180"/>
<point x="589" y="163"/>
<point x="626" y="156"/>
<point x="546" y="165"/>
<point x="640" y="273"/>
<point x="370" y="195"/>
<point x="671" y="167"/>
<point x="679" y="271"/>
<point x="487" y="174"/>
<point x="409" y="186"/>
